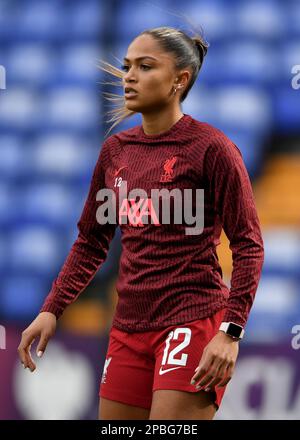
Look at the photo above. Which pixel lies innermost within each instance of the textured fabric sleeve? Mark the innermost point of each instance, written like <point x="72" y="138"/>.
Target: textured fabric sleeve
<point x="88" y="251"/>
<point x="231" y="191"/>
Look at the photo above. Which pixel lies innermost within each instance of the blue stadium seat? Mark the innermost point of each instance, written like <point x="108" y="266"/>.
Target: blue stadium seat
<point x="35" y="248"/>
<point x="65" y="156"/>
<point x="200" y="103"/>
<point x="22" y="296"/>
<point x="246" y="61"/>
<point x="260" y="19"/>
<point x="87" y="19"/>
<point x="71" y="107"/>
<point x="42" y="20"/>
<point x="292" y="17"/>
<point x="286" y="108"/>
<point x="10" y="18"/>
<point x="233" y="107"/>
<point x="211" y="70"/>
<point x="243" y="107"/>
<point x="13" y="156"/>
<point x="213" y="16"/>
<point x="48" y="203"/>
<point x="3" y="251"/>
<point x="31" y="63"/>
<point x="78" y="64"/>
<point x="282" y="249"/>
<point x="19" y="108"/>
<point x="143" y="15"/>
<point x="8" y="204"/>
<point x="269" y="327"/>
<point x="275" y="310"/>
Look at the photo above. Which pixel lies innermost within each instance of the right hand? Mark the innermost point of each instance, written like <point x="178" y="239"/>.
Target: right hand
<point x="43" y="326"/>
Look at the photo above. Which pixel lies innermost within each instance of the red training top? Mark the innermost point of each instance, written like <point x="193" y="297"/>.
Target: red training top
<point x="167" y="276"/>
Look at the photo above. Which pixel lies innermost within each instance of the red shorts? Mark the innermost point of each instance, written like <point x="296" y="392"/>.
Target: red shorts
<point x="139" y="363"/>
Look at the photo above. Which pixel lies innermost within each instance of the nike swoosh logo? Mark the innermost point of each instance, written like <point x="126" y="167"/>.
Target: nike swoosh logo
<point x="117" y="171"/>
<point x="166" y="371"/>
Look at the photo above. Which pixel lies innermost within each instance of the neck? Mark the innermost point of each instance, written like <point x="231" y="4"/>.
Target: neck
<point x="160" y="121"/>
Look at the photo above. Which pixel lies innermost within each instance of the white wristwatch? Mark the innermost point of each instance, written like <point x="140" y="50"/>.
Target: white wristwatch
<point x="234" y="330"/>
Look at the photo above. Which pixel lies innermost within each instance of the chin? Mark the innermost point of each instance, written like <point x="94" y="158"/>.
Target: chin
<point x="133" y="106"/>
<point x="141" y="107"/>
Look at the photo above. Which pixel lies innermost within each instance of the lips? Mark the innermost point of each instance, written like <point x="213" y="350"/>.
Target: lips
<point x="130" y="92"/>
<point x="130" y="89"/>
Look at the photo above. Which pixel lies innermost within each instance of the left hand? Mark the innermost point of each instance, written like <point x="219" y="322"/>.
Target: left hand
<point x="217" y="362"/>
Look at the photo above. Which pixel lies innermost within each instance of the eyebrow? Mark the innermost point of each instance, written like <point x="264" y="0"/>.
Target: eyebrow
<point x="141" y="58"/>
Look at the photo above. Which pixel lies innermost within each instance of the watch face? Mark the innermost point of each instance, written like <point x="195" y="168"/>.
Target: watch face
<point x="234" y="330"/>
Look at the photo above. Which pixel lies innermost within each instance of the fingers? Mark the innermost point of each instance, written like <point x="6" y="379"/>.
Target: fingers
<point x="218" y="373"/>
<point x="229" y="374"/>
<point x="44" y="339"/>
<point x="201" y="371"/>
<point x="202" y="368"/>
<point x="204" y="372"/>
<point x="214" y="377"/>
<point x="24" y="350"/>
<point x="209" y="377"/>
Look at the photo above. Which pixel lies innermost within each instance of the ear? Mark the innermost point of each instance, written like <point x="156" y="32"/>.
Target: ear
<point x="183" y="78"/>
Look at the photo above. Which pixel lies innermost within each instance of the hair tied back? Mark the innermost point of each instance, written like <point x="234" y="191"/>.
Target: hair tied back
<point x="202" y="47"/>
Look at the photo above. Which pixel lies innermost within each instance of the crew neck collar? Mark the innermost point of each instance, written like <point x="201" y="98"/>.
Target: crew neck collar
<point x="180" y="124"/>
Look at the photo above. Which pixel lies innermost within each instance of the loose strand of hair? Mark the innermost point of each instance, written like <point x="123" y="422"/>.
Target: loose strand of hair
<point x="120" y="112"/>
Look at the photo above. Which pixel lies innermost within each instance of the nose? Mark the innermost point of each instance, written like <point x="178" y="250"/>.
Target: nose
<point x="129" y="76"/>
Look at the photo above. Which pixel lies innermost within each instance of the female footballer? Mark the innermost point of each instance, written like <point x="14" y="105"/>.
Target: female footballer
<point x="174" y="338"/>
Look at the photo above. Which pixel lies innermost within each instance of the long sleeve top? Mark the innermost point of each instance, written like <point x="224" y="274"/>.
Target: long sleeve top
<point x="167" y="276"/>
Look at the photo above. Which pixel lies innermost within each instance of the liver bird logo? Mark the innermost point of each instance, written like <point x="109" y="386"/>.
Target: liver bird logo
<point x="168" y="174"/>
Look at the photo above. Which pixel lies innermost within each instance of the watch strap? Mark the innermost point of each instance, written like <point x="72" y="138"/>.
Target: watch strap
<point x="232" y="329"/>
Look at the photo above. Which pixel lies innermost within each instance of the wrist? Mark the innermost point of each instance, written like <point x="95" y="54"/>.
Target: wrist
<point x="228" y="337"/>
<point x="235" y="331"/>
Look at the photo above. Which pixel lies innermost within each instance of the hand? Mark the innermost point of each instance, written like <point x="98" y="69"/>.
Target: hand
<point x="43" y="326"/>
<point x="217" y="362"/>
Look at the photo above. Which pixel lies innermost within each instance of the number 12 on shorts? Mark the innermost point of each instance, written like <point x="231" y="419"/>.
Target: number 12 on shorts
<point x="169" y="356"/>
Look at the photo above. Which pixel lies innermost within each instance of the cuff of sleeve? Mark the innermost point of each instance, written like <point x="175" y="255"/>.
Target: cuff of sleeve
<point x="231" y="316"/>
<point x="53" y="308"/>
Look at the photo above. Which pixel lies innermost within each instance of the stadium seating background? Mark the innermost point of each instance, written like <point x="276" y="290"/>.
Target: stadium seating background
<point x="52" y="124"/>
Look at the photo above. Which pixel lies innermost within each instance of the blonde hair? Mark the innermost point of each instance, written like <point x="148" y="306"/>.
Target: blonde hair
<point x="188" y="52"/>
